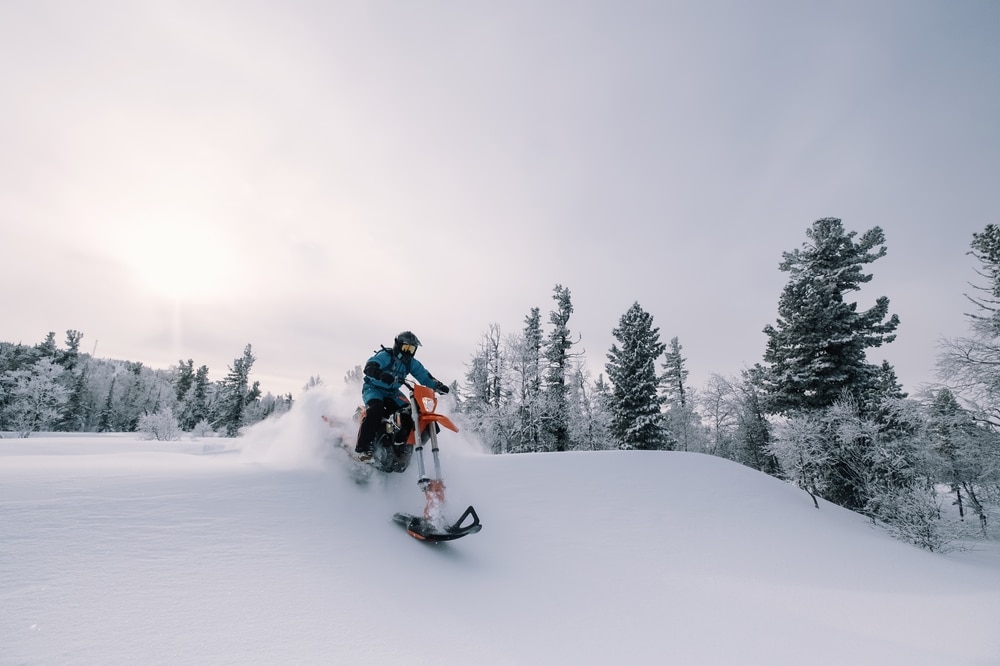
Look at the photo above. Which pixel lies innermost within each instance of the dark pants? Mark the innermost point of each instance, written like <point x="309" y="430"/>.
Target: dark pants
<point x="377" y="409"/>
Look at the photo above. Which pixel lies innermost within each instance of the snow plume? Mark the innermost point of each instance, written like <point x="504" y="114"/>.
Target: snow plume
<point x="305" y="435"/>
<point x="301" y="438"/>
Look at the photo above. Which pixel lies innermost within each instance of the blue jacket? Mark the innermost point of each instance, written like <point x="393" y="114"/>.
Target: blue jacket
<point x="376" y="388"/>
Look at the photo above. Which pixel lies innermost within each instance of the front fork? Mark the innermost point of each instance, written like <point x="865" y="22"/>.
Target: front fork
<point x="433" y="487"/>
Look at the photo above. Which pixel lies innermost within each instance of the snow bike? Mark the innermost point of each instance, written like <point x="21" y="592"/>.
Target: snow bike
<point x="392" y="452"/>
<point x="431" y="526"/>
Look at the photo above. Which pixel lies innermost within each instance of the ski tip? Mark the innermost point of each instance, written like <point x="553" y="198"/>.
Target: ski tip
<point x="424" y="530"/>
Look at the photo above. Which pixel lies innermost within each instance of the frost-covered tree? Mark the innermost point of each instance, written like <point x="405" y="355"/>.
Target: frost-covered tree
<point x="635" y="420"/>
<point x="76" y="410"/>
<point x="235" y="393"/>
<point x="970" y="365"/>
<point x="719" y="408"/>
<point x="183" y="379"/>
<point x="738" y="427"/>
<point x="486" y="407"/>
<point x="851" y="459"/>
<point x="37" y="397"/>
<point x="354" y="377"/>
<point x="71" y="356"/>
<point x="526" y="367"/>
<point x="161" y="426"/>
<point x="557" y="353"/>
<point x="589" y="424"/>
<point x="48" y="348"/>
<point x="815" y="352"/>
<point x="195" y="404"/>
<point x="682" y="419"/>
<point x="986" y="249"/>
<point x="802" y="450"/>
<point x="968" y="456"/>
<point x="134" y="390"/>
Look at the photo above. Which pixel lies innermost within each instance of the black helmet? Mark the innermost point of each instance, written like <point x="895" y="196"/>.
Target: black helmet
<point x="405" y="344"/>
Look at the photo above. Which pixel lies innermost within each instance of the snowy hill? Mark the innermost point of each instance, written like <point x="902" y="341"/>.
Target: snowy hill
<point x="115" y="550"/>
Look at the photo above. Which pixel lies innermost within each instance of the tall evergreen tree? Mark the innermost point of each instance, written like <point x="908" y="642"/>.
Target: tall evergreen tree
<point x="635" y="421"/>
<point x="815" y="353"/>
<point x="194" y="405"/>
<point x="236" y="393"/>
<point x="527" y="366"/>
<point x="47" y="348"/>
<point x="69" y="358"/>
<point x="986" y="248"/>
<point x="557" y="357"/>
<point x="683" y="421"/>
<point x="184" y="378"/>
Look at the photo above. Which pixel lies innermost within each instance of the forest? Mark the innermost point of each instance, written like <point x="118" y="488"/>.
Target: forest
<point x="46" y="388"/>
<point x="813" y="411"/>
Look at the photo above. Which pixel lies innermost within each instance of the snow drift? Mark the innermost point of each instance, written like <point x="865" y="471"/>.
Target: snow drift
<point x="116" y="550"/>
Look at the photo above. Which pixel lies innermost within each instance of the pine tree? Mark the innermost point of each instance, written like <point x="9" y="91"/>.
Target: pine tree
<point x="527" y="368"/>
<point x="682" y="420"/>
<point x="194" y="403"/>
<point x="236" y="393"/>
<point x="986" y="248"/>
<point x="816" y="351"/>
<point x="635" y="421"/>
<point x="47" y="348"/>
<point x="184" y="378"/>
<point x="557" y="357"/>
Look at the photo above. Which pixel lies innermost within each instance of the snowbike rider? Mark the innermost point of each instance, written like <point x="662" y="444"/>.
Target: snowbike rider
<point x="383" y="375"/>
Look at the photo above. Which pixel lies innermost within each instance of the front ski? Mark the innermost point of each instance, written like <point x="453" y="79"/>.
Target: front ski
<point x="426" y="530"/>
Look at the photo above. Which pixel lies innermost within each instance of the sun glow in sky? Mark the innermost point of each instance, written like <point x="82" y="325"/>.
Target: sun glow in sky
<point x="181" y="259"/>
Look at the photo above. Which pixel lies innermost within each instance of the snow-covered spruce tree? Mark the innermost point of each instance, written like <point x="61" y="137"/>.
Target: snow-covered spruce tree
<point x="682" y="420"/>
<point x="235" y="394"/>
<point x="194" y="405"/>
<point x="635" y="420"/>
<point x="526" y="367"/>
<point x="183" y="378"/>
<point x="816" y="350"/>
<point x="557" y="357"/>
<point x="74" y="413"/>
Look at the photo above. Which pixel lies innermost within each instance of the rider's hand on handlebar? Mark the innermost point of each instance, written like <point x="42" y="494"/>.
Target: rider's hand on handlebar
<point x="441" y="388"/>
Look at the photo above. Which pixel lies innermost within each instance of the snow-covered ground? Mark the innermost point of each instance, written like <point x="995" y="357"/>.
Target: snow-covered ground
<point x="116" y="550"/>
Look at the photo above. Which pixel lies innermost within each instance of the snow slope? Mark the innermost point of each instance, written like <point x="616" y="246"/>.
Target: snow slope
<point x="115" y="550"/>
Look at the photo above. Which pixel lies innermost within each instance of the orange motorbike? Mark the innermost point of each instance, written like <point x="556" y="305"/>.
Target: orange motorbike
<point x="390" y="455"/>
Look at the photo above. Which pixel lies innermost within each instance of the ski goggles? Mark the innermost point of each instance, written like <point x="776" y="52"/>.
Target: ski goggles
<point x="408" y="349"/>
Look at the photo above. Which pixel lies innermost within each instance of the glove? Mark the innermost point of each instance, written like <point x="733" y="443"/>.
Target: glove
<point x="441" y="388"/>
<point x="387" y="378"/>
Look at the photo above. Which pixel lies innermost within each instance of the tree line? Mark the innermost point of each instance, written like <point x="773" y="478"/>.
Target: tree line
<point x="814" y="411"/>
<point x="47" y="388"/>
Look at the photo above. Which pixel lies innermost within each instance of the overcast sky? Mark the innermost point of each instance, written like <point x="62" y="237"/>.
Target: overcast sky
<point x="179" y="179"/>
